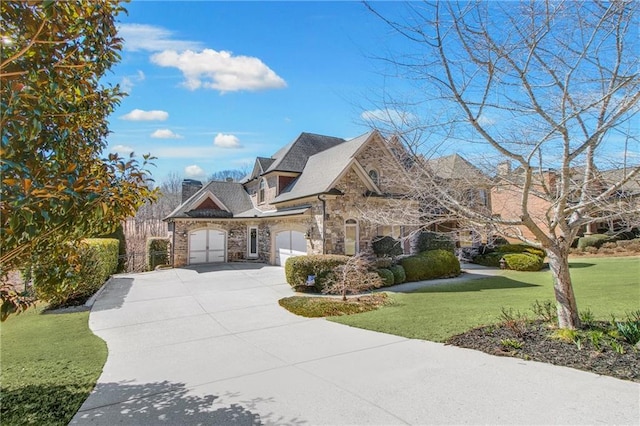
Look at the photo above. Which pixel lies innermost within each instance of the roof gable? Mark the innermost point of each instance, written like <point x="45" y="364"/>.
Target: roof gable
<point x="293" y="157"/>
<point x="325" y="168"/>
<point x="231" y="198"/>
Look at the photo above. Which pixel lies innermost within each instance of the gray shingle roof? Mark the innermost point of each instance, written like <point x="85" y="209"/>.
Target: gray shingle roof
<point x="293" y="157"/>
<point x="322" y="169"/>
<point x="231" y="194"/>
<point x="455" y="167"/>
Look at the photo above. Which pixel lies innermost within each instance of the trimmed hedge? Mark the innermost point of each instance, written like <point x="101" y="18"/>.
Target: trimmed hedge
<point x="489" y="259"/>
<point x="157" y="252"/>
<point x="521" y="248"/>
<point x="386" y="246"/>
<point x="523" y="262"/>
<point x="387" y="276"/>
<point x="399" y="276"/>
<point x="430" y="265"/>
<point x="426" y="241"/>
<point x="97" y="259"/>
<point x="298" y="268"/>
<point x="594" y="240"/>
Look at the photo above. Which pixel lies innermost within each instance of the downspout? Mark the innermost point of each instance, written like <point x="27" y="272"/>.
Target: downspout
<point x="324" y="215"/>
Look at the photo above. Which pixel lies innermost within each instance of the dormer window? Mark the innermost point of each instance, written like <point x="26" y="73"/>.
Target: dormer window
<point x="261" y="189"/>
<point x="373" y="174"/>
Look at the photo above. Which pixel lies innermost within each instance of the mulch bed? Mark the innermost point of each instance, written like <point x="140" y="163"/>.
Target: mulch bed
<point x="538" y="345"/>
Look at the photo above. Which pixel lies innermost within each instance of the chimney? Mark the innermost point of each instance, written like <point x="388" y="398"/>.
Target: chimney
<point x="190" y="187"/>
<point x="504" y="168"/>
<point x="229" y="179"/>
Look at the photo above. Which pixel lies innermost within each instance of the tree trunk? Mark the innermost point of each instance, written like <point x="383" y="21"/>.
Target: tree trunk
<point x="566" y="301"/>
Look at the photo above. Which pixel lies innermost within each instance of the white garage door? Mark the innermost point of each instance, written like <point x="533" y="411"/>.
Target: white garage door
<point x="207" y="246"/>
<point x="289" y="243"/>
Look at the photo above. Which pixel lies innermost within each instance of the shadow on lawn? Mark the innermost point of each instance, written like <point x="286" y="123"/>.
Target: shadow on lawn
<point x="490" y="283"/>
<point x="577" y="265"/>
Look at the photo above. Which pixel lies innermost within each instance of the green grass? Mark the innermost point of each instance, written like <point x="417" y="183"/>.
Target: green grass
<point x="604" y="285"/>
<point x="50" y="363"/>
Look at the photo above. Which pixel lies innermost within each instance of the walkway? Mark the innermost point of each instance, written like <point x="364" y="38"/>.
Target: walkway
<point x="210" y="345"/>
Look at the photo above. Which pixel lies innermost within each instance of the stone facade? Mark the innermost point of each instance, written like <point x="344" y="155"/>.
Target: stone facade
<point x="324" y="233"/>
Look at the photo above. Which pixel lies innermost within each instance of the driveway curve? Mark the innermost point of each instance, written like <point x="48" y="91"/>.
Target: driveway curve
<point x="210" y="345"/>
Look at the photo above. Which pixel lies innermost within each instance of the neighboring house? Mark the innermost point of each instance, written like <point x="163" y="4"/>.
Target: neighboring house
<point x="506" y="197"/>
<point x="304" y="199"/>
<point x="470" y="186"/>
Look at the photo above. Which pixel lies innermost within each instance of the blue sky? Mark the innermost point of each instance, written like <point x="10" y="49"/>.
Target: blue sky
<point x="212" y="85"/>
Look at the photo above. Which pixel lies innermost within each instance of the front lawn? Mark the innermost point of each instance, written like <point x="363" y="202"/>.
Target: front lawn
<point x="604" y="286"/>
<point x="50" y="364"/>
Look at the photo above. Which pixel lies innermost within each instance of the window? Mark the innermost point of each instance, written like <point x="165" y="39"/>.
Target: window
<point x="484" y="197"/>
<point x="351" y="237"/>
<point x="373" y="174"/>
<point x="261" y="189"/>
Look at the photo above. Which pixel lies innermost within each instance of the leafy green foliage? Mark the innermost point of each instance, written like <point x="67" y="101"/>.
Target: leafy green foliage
<point x="431" y="264"/>
<point x="427" y="241"/>
<point x="118" y="234"/>
<point x="595" y="240"/>
<point x="545" y="311"/>
<point x="387" y="276"/>
<point x="519" y="257"/>
<point x="630" y="329"/>
<point x="56" y="189"/>
<point x="399" y="275"/>
<point x="386" y="246"/>
<point x="521" y="248"/>
<point x="298" y="268"/>
<point x="523" y="262"/>
<point x="157" y="252"/>
<point x="94" y="260"/>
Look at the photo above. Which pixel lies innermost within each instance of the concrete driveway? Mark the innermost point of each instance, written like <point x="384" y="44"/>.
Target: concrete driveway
<point x="210" y="345"/>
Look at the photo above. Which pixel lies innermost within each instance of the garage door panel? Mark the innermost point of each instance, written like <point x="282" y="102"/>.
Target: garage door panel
<point x="207" y="246"/>
<point x="288" y="244"/>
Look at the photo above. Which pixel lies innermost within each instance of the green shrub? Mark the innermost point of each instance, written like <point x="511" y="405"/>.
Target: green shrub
<point x="386" y="246"/>
<point x="73" y="278"/>
<point x="489" y="259"/>
<point x="427" y="241"/>
<point x="157" y="252"/>
<point x="431" y="264"/>
<point x="298" y="268"/>
<point x="521" y="248"/>
<point x="523" y="261"/>
<point x="399" y="275"/>
<point x="388" y="279"/>
<point x="595" y="240"/>
<point x="118" y="234"/>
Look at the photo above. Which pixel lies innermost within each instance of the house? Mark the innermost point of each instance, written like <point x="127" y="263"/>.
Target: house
<point x="617" y="212"/>
<point x="304" y="199"/>
<point x="469" y="186"/>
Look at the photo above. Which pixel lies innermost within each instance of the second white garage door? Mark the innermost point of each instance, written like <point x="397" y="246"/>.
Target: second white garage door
<point x="289" y="243"/>
<point x="207" y="246"/>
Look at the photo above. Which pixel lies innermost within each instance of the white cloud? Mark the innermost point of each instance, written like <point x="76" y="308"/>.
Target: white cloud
<point x="387" y="116"/>
<point x="221" y="70"/>
<point x="128" y="81"/>
<point x="122" y="149"/>
<point x="226" y="141"/>
<point x="151" y="38"/>
<point x="141" y="115"/>
<point x="486" y="121"/>
<point x="165" y="134"/>
<point x="194" y="171"/>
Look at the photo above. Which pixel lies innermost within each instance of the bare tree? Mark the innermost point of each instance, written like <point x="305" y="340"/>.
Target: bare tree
<point x="354" y="276"/>
<point x="550" y="87"/>
<point x="234" y="174"/>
